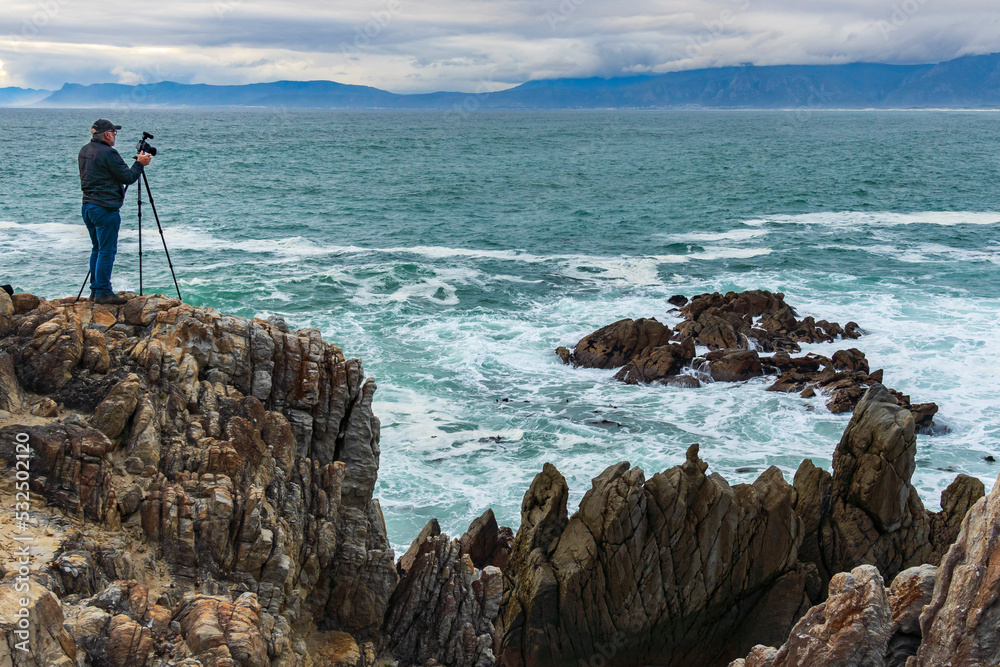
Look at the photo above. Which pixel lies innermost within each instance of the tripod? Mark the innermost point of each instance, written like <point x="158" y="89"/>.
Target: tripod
<point x="145" y="181"/>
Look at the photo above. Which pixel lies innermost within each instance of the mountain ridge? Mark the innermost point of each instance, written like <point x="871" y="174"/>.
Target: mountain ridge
<point x="966" y="82"/>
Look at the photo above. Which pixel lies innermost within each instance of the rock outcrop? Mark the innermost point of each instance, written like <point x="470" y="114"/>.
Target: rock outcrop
<point x="736" y="327"/>
<point x="243" y="455"/>
<point x="860" y="623"/>
<point x="868" y="511"/>
<point x="444" y="606"/>
<point x="679" y="569"/>
<point x="959" y="625"/>
<point x="40" y="640"/>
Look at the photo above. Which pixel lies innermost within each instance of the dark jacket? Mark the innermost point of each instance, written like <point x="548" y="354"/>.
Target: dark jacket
<point x="103" y="174"/>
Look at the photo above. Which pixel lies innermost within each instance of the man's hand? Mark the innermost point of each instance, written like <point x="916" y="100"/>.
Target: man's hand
<point x="143" y="159"/>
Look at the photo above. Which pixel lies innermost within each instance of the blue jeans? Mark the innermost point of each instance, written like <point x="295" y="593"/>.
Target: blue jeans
<point x="103" y="224"/>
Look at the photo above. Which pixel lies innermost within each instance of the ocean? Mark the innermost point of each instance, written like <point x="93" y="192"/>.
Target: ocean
<point x="453" y="252"/>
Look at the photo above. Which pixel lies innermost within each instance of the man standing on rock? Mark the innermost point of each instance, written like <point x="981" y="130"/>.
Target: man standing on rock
<point x="103" y="175"/>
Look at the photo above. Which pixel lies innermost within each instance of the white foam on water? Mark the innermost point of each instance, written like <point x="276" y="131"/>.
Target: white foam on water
<point x="856" y="219"/>
<point x="622" y="270"/>
<point x="710" y="237"/>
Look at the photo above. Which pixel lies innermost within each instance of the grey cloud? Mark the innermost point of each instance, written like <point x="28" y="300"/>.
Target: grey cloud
<point x="423" y="45"/>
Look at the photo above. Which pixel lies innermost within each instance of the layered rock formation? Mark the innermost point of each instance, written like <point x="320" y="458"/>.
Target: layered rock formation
<point x="202" y="494"/>
<point x="682" y="569"/>
<point x="868" y="511"/>
<point x="444" y="606"/>
<point x="959" y="624"/>
<point x="679" y="569"/>
<point x="736" y="327"/>
<point x="244" y="455"/>
<point x="860" y="623"/>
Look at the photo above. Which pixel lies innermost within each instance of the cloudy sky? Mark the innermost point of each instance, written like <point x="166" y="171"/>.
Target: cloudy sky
<point x="466" y="45"/>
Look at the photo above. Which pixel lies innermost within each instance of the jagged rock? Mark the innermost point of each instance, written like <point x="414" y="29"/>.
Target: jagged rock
<point x="12" y="397"/>
<point x="956" y="501"/>
<point x="680" y="569"/>
<point x="851" y="628"/>
<point x="7" y="313"/>
<point x="657" y="363"/>
<point x="339" y="649"/>
<point x="735" y="326"/>
<point x="128" y="643"/>
<point x="868" y="511"/>
<point x="850" y="360"/>
<point x="486" y="543"/>
<point x="677" y="300"/>
<point x="78" y="573"/>
<point x="219" y="632"/>
<point x="734" y="365"/>
<point x="959" y="625"/>
<point x="69" y="459"/>
<point x="443" y="608"/>
<point x="41" y="634"/>
<point x="911" y="590"/>
<point x="246" y="454"/>
<point x="754" y="318"/>
<point x="759" y="656"/>
<point x="116" y="409"/>
<point x="46" y="362"/>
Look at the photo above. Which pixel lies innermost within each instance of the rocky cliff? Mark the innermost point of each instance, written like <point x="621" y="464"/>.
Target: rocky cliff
<point x="201" y="494"/>
<point x="226" y="464"/>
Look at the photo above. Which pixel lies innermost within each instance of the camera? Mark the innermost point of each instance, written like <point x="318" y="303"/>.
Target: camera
<point x="144" y="146"/>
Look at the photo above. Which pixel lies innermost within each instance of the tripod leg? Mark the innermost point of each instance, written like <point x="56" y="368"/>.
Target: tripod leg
<point x="83" y="285"/>
<point x="157" y="217"/>
<point x="139" y="196"/>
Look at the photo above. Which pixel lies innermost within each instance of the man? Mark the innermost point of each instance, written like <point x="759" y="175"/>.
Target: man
<point x="103" y="175"/>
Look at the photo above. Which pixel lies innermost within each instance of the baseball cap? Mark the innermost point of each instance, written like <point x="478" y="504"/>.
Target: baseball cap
<point x="102" y="125"/>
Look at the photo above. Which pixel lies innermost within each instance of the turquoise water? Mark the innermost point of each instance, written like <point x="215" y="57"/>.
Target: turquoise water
<point x="453" y="253"/>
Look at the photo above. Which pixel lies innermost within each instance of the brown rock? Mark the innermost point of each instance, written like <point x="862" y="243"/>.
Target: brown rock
<point x="129" y="643"/>
<point x="486" y="543"/>
<point x="657" y="363"/>
<point x="116" y="409"/>
<point x="95" y="351"/>
<point x="678" y="300"/>
<point x="851" y="628"/>
<point x="680" y="569"/>
<point x="911" y="590"/>
<point x="850" y="360"/>
<point x="24" y="303"/>
<point x="250" y="454"/>
<point x="441" y="610"/>
<point x="735" y="366"/>
<point x="959" y="625"/>
<point x="868" y="511"/>
<point x="219" y="632"/>
<point x="956" y="501"/>
<point x="12" y="397"/>
<point x="47" y="642"/>
<point x="616" y="344"/>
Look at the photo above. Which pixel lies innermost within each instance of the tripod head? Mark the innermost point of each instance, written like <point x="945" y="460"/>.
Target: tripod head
<point x="144" y="146"/>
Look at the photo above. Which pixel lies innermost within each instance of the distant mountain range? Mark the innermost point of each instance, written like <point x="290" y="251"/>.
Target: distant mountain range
<point x="971" y="81"/>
